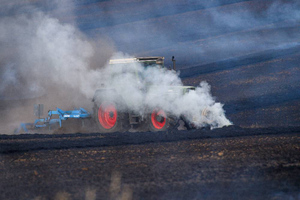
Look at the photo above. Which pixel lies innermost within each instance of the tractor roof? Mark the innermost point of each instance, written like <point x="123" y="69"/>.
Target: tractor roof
<point x="157" y="60"/>
<point x="121" y="61"/>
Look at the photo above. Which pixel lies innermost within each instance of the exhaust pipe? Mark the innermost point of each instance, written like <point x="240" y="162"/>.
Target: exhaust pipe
<point x="174" y="63"/>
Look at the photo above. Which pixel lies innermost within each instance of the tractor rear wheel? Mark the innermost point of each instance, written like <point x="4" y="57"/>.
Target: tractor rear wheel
<point x="110" y="119"/>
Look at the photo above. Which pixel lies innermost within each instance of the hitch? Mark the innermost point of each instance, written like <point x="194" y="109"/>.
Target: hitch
<point x="80" y="113"/>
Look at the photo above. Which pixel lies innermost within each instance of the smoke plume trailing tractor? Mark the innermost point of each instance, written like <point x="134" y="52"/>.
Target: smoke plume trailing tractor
<point x="119" y="104"/>
<point x="112" y="112"/>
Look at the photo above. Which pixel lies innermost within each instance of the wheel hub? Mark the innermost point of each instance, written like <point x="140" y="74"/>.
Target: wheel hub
<point x="111" y="114"/>
<point x="160" y="118"/>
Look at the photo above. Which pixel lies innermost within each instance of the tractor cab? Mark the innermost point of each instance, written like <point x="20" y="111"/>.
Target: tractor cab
<point x="132" y="66"/>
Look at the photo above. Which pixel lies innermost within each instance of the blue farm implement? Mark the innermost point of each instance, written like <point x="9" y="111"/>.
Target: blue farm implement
<point x="54" y="117"/>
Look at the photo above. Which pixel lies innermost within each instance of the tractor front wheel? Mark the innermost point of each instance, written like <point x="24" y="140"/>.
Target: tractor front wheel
<point x="158" y="120"/>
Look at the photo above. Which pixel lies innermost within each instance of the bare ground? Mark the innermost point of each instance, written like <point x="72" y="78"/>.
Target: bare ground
<point x="229" y="163"/>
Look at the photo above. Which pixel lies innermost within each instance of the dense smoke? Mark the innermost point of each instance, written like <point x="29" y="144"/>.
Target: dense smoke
<point x="40" y="52"/>
<point x="155" y="87"/>
<point x="43" y="57"/>
<point x="43" y="60"/>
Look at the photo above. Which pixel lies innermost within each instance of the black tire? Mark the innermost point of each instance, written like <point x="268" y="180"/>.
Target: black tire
<point x="157" y="121"/>
<point x="119" y="122"/>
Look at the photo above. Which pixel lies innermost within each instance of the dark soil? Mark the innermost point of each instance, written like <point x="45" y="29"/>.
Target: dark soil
<point x="228" y="163"/>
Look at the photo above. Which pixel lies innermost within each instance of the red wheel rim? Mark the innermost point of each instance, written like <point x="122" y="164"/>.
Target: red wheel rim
<point x="107" y="115"/>
<point x="158" y="119"/>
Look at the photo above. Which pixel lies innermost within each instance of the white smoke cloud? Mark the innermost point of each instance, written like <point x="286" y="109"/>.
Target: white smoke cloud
<point x="44" y="56"/>
<point x="155" y="87"/>
<point x="43" y="52"/>
<point x="43" y="60"/>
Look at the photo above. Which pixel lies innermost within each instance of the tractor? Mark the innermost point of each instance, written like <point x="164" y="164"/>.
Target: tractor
<point x="112" y="112"/>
